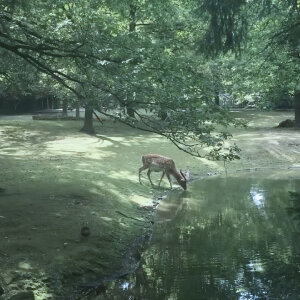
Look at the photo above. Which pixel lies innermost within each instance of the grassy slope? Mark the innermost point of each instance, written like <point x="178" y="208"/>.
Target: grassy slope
<point x="56" y="179"/>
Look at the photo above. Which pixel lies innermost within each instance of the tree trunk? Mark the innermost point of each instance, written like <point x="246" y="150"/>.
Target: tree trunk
<point x="132" y="26"/>
<point x="217" y="99"/>
<point x="130" y="111"/>
<point x="65" y="107"/>
<point x="162" y="114"/>
<point x="297" y="109"/>
<point x="77" y="112"/>
<point x="88" y="126"/>
<point x="132" y="16"/>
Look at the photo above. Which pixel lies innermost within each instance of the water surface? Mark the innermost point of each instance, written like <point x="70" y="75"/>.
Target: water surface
<point x="225" y="238"/>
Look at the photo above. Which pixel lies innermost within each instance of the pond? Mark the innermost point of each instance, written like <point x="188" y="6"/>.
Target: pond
<point x="225" y="238"/>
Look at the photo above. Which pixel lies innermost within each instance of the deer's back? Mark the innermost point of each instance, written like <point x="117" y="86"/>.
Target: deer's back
<point x="158" y="162"/>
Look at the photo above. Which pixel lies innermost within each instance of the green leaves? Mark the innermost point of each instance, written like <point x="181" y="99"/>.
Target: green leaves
<point x="138" y="56"/>
<point x="227" y="26"/>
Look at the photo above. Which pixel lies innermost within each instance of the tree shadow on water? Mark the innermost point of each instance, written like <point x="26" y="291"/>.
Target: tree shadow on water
<point x="294" y="209"/>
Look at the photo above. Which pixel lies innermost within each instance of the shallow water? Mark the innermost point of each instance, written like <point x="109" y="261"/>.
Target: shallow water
<point x="225" y="238"/>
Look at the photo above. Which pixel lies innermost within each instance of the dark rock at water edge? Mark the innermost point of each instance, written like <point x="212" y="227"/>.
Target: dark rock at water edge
<point x="286" y="124"/>
<point x="24" y="295"/>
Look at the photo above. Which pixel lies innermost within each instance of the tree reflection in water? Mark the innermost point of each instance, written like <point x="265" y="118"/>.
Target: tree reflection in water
<point x="227" y="238"/>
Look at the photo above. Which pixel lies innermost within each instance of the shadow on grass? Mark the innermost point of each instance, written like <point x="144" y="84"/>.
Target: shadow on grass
<point x="56" y="180"/>
<point x="43" y="230"/>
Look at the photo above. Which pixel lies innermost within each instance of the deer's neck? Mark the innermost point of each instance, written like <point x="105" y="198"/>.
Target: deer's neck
<point x="177" y="175"/>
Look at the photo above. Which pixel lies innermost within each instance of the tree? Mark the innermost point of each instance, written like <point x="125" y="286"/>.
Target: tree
<point x="226" y="26"/>
<point x="268" y="48"/>
<point x="154" y="65"/>
<point x="281" y="41"/>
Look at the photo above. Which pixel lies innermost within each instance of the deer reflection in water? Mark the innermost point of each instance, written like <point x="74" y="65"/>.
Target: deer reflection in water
<point x="172" y="207"/>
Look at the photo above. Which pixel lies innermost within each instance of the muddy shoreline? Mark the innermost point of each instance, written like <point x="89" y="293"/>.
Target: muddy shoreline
<point x="130" y="262"/>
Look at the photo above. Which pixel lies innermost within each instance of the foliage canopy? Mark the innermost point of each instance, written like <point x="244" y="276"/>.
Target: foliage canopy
<point x="137" y="61"/>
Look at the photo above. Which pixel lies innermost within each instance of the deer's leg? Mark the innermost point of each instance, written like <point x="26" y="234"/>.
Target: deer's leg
<point x="140" y="170"/>
<point x="168" y="176"/>
<point x="148" y="173"/>
<point x="162" y="176"/>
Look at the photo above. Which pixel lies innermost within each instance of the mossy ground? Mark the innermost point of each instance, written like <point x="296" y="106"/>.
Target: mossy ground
<point x="56" y="179"/>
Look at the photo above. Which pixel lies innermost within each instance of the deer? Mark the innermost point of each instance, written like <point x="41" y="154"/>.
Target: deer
<point x="159" y="163"/>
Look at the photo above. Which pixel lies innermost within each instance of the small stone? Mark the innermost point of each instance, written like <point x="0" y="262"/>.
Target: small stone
<point x="85" y="231"/>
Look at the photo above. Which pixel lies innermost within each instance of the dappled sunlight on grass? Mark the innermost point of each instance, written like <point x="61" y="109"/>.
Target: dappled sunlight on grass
<point x="79" y="143"/>
<point x="113" y="139"/>
<point x="120" y="190"/>
<point x="275" y="134"/>
<point x="12" y="151"/>
<point x="141" y="200"/>
<point x="80" y="146"/>
<point x="262" y="119"/>
<point x="274" y="142"/>
<point x="272" y="138"/>
<point x="123" y="174"/>
<point x="87" y="170"/>
<point x="106" y="219"/>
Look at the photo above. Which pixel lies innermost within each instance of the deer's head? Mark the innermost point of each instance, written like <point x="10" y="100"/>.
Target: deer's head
<point x="182" y="181"/>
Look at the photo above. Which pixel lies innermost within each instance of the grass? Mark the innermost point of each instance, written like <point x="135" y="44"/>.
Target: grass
<point x="57" y="179"/>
